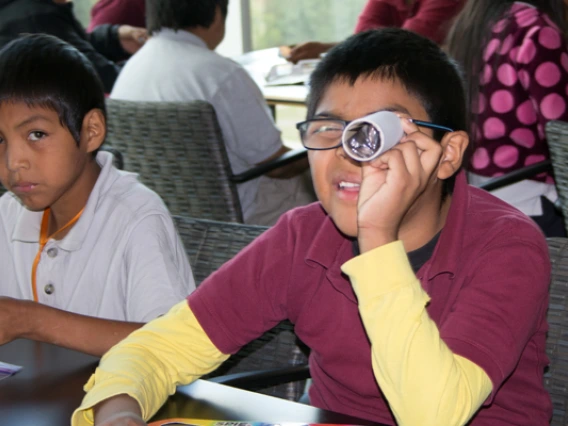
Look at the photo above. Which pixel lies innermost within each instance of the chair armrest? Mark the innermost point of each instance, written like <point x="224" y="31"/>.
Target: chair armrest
<point x="264" y="378"/>
<point x="517" y="175"/>
<point x="261" y="169"/>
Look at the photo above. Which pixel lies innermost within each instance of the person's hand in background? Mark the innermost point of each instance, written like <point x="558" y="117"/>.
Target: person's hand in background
<point x="132" y="38"/>
<point x="308" y="50"/>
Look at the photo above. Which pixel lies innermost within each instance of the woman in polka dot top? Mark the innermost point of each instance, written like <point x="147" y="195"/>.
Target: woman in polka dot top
<point x="515" y="59"/>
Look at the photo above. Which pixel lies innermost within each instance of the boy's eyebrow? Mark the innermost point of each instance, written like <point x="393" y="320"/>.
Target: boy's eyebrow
<point x="29" y="120"/>
<point x="391" y="108"/>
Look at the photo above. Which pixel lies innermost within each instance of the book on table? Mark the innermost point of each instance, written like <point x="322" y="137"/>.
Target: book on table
<point x="204" y="422"/>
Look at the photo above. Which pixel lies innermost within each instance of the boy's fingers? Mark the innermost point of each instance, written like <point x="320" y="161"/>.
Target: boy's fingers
<point x="393" y="160"/>
<point x="430" y="149"/>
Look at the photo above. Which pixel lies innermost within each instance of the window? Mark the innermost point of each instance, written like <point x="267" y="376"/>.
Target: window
<point x="82" y="10"/>
<point x="279" y="22"/>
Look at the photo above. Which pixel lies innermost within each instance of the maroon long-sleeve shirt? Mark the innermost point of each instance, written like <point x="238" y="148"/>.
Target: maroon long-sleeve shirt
<point x="123" y="12"/>
<point x="430" y="18"/>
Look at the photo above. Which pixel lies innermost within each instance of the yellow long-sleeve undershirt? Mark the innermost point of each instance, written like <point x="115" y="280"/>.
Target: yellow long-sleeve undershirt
<point x="150" y="363"/>
<point x="422" y="380"/>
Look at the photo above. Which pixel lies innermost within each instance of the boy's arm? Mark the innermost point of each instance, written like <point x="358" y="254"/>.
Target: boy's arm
<point x="416" y="364"/>
<point x="423" y="381"/>
<point x="31" y="320"/>
<point x="174" y="345"/>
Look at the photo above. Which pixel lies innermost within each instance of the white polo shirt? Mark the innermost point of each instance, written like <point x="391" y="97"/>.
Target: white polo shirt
<point x="122" y="260"/>
<point x="178" y="66"/>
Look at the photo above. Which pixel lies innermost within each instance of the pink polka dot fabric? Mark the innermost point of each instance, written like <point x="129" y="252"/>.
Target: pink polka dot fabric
<point x="523" y="84"/>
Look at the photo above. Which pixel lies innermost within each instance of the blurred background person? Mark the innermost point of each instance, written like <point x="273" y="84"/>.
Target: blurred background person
<point x="430" y="18"/>
<point x="179" y="64"/>
<point x="104" y="47"/>
<point x="515" y="59"/>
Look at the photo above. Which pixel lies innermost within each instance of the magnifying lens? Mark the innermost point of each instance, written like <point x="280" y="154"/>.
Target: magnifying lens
<point x="368" y="137"/>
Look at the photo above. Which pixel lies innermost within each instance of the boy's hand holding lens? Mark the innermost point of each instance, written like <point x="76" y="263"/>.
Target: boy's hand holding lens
<point x="391" y="183"/>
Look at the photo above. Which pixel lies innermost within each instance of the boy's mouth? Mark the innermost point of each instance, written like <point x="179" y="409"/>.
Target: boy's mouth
<point x="349" y="186"/>
<point x="23" y="187"/>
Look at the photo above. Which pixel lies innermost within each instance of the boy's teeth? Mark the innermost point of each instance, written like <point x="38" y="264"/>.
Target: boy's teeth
<point x="348" y="185"/>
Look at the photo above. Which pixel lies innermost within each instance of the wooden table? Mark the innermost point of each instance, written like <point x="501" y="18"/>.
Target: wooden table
<point x="49" y="388"/>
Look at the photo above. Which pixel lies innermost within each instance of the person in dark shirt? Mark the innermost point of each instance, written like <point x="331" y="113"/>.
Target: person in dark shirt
<point x="104" y="47"/>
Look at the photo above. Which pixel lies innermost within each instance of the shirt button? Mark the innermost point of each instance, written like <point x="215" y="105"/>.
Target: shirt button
<point x="49" y="289"/>
<point x="52" y="252"/>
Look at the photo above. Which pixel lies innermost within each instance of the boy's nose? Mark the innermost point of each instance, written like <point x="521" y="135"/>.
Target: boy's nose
<point x="340" y="152"/>
<point x="16" y="158"/>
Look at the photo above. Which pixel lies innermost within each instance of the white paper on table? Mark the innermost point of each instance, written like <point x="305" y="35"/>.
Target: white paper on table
<point x="283" y="74"/>
<point x="7" y="370"/>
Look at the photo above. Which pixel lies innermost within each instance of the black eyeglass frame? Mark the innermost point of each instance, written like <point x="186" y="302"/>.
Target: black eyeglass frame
<point x="345" y="123"/>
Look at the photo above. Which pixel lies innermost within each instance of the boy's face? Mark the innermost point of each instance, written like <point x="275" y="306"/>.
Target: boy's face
<point x="335" y="175"/>
<point x="40" y="161"/>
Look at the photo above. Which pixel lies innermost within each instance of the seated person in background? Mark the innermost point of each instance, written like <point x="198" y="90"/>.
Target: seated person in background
<point x="178" y="64"/>
<point x="515" y="58"/>
<point x="122" y="12"/>
<point x="88" y="252"/>
<point x="423" y="299"/>
<point x="430" y="18"/>
<point x="103" y="47"/>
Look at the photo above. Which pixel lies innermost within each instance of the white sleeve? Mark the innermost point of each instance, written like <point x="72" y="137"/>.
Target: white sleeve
<point x="158" y="273"/>
<point x="247" y="125"/>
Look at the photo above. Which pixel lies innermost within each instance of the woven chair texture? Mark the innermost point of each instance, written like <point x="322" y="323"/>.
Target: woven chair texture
<point x="556" y="378"/>
<point x="557" y="138"/>
<point x="208" y="245"/>
<point x="178" y="150"/>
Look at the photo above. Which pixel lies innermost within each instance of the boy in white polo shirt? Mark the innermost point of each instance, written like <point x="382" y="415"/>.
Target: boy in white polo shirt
<point x="88" y="252"/>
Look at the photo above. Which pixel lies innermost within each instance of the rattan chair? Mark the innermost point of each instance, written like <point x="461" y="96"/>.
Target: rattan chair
<point x="556" y="379"/>
<point x="178" y="150"/>
<point x="557" y="138"/>
<point x="208" y="245"/>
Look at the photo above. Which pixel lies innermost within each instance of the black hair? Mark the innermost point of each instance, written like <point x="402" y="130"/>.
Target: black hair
<point x="418" y="63"/>
<point x="181" y="14"/>
<point x="42" y="70"/>
<point x="472" y="30"/>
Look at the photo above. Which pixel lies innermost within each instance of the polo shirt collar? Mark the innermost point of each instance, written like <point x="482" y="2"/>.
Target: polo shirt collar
<point x="330" y="246"/>
<point x="180" y="35"/>
<point x="28" y="225"/>
<point x="450" y="245"/>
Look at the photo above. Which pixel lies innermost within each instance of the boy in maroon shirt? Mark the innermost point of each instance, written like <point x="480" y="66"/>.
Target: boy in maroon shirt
<point x="423" y="299"/>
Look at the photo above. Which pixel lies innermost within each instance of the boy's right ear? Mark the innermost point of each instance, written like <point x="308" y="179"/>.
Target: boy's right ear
<point x="454" y="147"/>
<point x="93" y="131"/>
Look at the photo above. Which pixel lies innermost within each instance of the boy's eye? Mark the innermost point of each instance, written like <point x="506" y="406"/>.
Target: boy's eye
<point x="36" y="135"/>
<point x="327" y="129"/>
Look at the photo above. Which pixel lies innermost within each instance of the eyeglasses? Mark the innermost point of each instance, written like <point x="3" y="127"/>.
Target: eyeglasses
<point x="325" y="133"/>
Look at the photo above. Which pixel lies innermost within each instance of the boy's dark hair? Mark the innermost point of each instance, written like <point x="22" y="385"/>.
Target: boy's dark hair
<point x="181" y="14"/>
<point x="395" y="54"/>
<point x="42" y="70"/>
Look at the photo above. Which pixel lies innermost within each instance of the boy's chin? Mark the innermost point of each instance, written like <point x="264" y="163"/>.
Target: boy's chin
<point x="347" y="226"/>
<point x="31" y="205"/>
